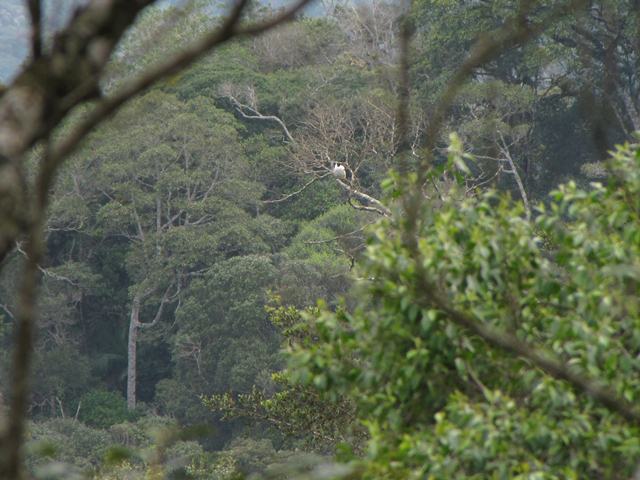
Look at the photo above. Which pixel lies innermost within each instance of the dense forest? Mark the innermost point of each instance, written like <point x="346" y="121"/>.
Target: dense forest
<point x="383" y="240"/>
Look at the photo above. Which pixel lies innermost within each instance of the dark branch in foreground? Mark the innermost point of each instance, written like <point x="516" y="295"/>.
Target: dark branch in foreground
<point x="35" y="12"/>
<point x="33" y="106"/>
<point x="37" y="101"/>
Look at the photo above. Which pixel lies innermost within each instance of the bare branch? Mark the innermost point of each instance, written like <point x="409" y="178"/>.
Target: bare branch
<point x="7" y="310"/>
<point x="256" y="115"/>
<point x="323" y="120"/>
<point x="484" y="181"/>
<point x="364" y="208"/>
<point x="377" y="207"/>
<point x="504" y="148"/>
<point x="165" y="299"/>
<point x="296" y="192"/>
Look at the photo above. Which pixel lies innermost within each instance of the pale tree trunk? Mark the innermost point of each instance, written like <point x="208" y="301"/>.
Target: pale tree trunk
<point x="513" y="170"/>
<point x="631" y="108"/>
<point x="132" y="346"/>
<point x="132" y="355"/>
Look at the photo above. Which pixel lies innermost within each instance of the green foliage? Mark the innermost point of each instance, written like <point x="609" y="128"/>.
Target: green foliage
<point x="553" y="119"/>
<point x="314" y="201"/>
<point x="250" y="458"/>
<point x="223" y="340"/>
<point x="101" y="408"/>
<point x="329" y="245"/>
<point x="61" y="375"/>
<point x="440" y="403"/>
<point x="152" y="447"/>
<point x="171" y="193"/>
<point x="67" y="441"/>
<point x="318" y="421"/>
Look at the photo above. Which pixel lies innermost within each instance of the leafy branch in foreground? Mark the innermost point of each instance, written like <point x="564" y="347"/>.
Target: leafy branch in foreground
<point x="321" y="421"/>
<point x="440" y="400"/>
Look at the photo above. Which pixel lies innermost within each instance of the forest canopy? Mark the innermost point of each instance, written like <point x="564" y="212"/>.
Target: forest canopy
<point x="370" y="240"/>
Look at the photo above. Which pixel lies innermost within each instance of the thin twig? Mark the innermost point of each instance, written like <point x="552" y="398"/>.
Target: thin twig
<point x="256" y="115"/>
<point x="296" y="192"/>
<point x="514" y="171"/>
<point x="8" y="311"/>
<point x="46" y="272"/>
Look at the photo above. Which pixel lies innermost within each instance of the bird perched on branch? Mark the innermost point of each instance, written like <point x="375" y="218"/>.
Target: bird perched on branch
<point x="339" y="171"/>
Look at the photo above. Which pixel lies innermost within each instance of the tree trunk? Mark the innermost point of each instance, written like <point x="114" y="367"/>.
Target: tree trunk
<point x="132" y="348"/>
<point x="132" y="353"/>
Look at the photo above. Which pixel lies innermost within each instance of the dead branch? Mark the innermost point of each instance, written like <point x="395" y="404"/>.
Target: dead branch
<point x="376" y="205"/>
<point x="254" y="114"/>
<point x="324" y="120"/>
<point x="504" y="149"/>
<point x="296" y="192"/>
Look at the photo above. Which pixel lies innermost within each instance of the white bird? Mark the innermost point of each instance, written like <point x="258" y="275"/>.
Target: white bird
<point x="339" y="171"/>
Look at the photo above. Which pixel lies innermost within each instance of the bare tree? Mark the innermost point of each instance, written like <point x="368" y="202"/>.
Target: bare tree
<point x="336" y="140"/>
<point x="371" y="31"/>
